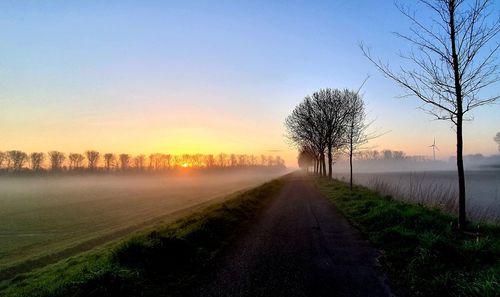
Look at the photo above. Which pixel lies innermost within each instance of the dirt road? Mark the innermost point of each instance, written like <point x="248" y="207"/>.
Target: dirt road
<point x="299" y="246"/>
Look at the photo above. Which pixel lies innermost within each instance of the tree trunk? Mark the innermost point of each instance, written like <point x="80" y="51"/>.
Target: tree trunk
<point x="458" y="89"/>
<point x="461" y="177"/>
<point x="350" y="165"/>
<point x="323" y="164"/>
<point x="330" y="160"/>
<point x="321" y="158"/>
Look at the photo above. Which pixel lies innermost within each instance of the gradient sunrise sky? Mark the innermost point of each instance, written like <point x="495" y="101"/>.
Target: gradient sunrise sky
<point x="202" y="76"/>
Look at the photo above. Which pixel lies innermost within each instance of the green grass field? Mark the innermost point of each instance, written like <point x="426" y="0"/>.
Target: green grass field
<point x="43" y="219"/>
<point x="163" y="260"/>
<point x="423" y="252"/>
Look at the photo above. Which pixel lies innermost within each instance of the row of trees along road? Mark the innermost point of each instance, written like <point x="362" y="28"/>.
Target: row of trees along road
<point x="453" y="58"/>
<point x="91" y="160"/>
<point x="327" y="123"/>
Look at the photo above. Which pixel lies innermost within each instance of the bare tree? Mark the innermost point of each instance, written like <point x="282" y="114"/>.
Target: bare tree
<point x="155" y="161"/>
<point x="92" y="158"/>
<point x="305" y="159"/>
<point x="139" y="162"/>
<point x="306" y="129"/>
<point x="167" y="161"/>
<point x="56" y="160"/>
<point x="497" y="139"/>
<point x="221" y="160"/>
<point x="333" y="106"/>
<point x="3" y="158"/>
<point x="16" y="160"/>
<point x="75" y="161"/>
<point x="319" y="124"/>
<point x="36" y="160"/>
<point x="124" y="161"/>
<point x="232" y="160"/>
<point x="210" y="161"/>
<point x="452" y="65"/>
<point x="109" y="161"/>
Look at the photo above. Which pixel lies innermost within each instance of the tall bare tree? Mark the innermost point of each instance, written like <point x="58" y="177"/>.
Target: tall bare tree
<point x="124" y="161"/>
<point x="3" y="158"/>
<point x="36" y="160"/>
<point x="16" y="160"/>
<point x="139" y="162"/>
<point x="356" y="129"/>
<point x="305" y="159"/>
<point x="109" y="161"/>
<point x="455" y="59"/>
<point x="75" y="160"/>
<point x="306" y="129"/>
<point x="333" y="106"/>
<point x="92" y="159"/>
<point x="56" y="160"/>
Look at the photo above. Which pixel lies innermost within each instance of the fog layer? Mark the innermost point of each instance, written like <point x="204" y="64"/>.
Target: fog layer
<point x="41" y="214"/>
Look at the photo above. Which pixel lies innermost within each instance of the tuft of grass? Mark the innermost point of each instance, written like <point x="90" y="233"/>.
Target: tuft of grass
<point x="423" y="252"/>
<point x="165" y="260"/>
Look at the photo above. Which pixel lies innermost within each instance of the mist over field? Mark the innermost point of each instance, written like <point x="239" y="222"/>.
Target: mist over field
<point x="433" y="182"/>
<point x="40" y="215"/>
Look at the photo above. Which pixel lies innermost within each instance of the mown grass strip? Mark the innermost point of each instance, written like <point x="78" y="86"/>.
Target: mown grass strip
<point x="164" y="260"/>
<point x="423" y="252"/>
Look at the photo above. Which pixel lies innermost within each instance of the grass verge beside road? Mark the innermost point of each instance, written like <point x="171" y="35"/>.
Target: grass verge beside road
<point x="423" y="253"/>
<point x="164" y="260"/>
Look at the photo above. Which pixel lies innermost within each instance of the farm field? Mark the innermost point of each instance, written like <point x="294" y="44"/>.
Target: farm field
<point x="40" y="216"/>
<point x="439" y="188"/>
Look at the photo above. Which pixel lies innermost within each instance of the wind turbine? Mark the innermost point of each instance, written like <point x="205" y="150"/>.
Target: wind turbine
<point x="434" y="148"/>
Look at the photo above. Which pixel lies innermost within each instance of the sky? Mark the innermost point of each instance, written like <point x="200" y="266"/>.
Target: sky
<point x="203" y="76"/>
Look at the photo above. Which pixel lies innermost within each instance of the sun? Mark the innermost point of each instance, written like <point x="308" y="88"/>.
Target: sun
<point x="185" y="165"/>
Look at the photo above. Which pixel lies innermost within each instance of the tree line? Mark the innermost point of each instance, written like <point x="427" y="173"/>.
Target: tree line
<point x="326" y="124"/>
<point x="91" y="160"/>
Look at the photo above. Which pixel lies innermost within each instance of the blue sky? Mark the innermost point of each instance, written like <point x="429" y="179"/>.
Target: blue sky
<point x="143" y="76"/>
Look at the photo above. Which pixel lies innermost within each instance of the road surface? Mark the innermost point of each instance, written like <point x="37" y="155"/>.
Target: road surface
<point x="299" y="246"/>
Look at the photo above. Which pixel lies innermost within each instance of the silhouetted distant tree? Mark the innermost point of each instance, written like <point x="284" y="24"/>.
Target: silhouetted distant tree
<point x="398" y="155"/>
<point x="56" y="160"/>
<point x="3" y="159"/>
<point x="497" y="139"/>
<point x="305" y="159"/>
<point x="333" y="106"/>
<point x="197" y="160"/>
<point x="16" y="160"/>
<point x="210" y="161"/>
<point x="387" y="154"/>
<point x="319" y="124"/>
<point x="167" y="161"/>
<point x="92" y="159"/>
<point x="221" y="160"/>
<point x="36" y="160"/>
<point x="232" y="160"/>
<point x="155" y="161"/>
<point x="109" y="161"/>
<point x="75" y="161"/>
<point x="242" y="160"/>
<point x="124" y="161"/>
<point x="306" y="128"/>
<point x="452" y="64"/>
<point x="139" y="162"/>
